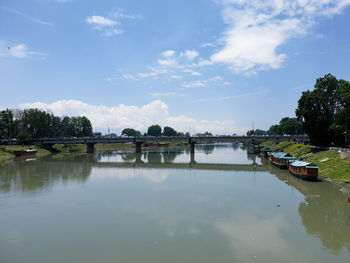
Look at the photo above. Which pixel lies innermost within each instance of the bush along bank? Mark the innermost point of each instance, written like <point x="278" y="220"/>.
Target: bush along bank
<point x="330" y="164"/>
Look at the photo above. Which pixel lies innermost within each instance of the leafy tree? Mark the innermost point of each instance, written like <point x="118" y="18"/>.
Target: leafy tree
<point x="319" y="110"/>
<point x="273" y="130"/>
<point x="131" y="132"/>
<point x="6" y="124"/>
<point x="256" y="132"/>
<point x="168" y="131"/>
<point x="154" y="130"/>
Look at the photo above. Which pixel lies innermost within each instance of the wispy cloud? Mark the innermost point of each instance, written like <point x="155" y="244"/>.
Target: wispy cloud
<point x="19" y="51"/>
<point x="166" y="94"/>
<point x="256" y="29"/>
<point x="111" y="23"/>
<point x="254" y="93"/>
<point x="34" y="20"/>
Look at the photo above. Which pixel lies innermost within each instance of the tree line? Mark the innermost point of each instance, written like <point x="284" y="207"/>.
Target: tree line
<point x="155" y="130"/>
<point x="33" y="123"/>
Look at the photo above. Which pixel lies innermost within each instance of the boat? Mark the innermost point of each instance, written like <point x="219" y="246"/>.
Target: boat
<point x="264" y="151"/>
<point x="27" y="152"/>
<point x="281" y="159"/>
<point x="304" y="170"/>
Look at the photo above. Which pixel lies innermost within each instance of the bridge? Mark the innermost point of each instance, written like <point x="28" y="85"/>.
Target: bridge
<point x="138" y="141"/>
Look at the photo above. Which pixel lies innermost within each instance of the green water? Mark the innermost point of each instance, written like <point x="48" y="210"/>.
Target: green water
<point x="221" y="205"/>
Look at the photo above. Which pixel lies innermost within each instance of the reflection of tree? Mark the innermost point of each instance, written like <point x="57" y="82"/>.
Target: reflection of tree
<point x="206" y="148"/>
<point x="154" y="157"/>
<point x="325" y="212"/>
<point x="328" y="217"/>
<point x="170" y="156"/>
<point x="40" y="174"/>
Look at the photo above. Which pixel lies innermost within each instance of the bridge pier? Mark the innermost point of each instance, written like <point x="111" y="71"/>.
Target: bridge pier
<point x="138" y="147"/>
<point x="90" y="147"/>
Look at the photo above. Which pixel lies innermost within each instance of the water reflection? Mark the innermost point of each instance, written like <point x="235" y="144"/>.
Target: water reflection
<point x="325" y="212"/>
<point x="177" y="204"/>
<point x="41" y="174"/>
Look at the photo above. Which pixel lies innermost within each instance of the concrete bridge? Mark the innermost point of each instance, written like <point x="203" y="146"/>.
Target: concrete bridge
<point x="138" y="141"/>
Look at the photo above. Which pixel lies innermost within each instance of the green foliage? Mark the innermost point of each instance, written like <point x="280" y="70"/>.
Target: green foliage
<point x="287" y="125"/>
<point x="168" y="131"/>
<point x="154" y="130"/>
<point x="6" y="124"/>
<point x="255" y="132"/>
<point x="131" y="132"/>
<point x="33" y="123"/>
<point x="325" y="111"/>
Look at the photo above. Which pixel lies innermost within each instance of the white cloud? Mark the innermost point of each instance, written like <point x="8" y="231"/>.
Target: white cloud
<point x="111" y="23"/>
<point x="99" y="22"/>
<point x="122" y="116"/>
<point x="257" y="28"/>
<point x="19" y="51"/>
<point x="190" y="54"/>
<point x="168" y="53"/>
<point x="195" y="84"/>
<point x="167" y="62"/>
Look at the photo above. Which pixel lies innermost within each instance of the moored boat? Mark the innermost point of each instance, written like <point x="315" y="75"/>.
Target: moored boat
<point x="27" y="152"/>
<point x="264" y="151"/>
<point x="281" y="159"/>
<point x="304" y="170"/>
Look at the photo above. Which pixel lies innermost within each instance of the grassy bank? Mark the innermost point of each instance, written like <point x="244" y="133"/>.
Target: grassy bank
<point x="329" y="161"/>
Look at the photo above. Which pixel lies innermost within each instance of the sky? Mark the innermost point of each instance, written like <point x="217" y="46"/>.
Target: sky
<point x="222" y="66"/>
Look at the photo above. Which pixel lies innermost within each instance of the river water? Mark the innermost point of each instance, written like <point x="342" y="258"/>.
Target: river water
<point x="221" y="205"/>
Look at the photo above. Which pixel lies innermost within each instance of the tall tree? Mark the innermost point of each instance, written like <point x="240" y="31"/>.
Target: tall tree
<point x="154" y="130"/>
<point x="168" y="131"/>
<point x="6" y="124"/>
<point x="321" y="110"/>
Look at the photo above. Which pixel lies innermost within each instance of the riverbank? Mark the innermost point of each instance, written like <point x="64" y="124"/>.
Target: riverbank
<point x="331" y="166"/>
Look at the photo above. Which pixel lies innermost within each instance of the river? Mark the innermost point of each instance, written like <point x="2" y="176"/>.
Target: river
<point x="221" y="205"/>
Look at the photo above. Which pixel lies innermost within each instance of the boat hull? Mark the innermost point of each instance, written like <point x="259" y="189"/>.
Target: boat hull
<point x="24" y="153"/>
<point x="304" y="176"/>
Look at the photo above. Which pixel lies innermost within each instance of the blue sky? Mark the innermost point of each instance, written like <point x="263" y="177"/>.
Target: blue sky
<point x="217" y="65"/>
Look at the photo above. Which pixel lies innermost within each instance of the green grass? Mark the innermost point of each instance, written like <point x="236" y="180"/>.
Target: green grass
<point x="329" y="161"/>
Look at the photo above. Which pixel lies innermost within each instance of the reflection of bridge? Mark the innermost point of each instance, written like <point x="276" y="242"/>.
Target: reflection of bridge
<point x="138" y="141"/>
<point x="190" y="165"/>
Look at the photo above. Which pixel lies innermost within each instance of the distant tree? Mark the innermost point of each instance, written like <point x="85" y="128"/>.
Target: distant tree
<point x="80" y="126"/>
<point x="168" y="131"/>
<point x="65" y="127"/>
<point x="154" y="130"/>
<point x="187" y="134"/>
<point x="36" y="123"/>
<point x="180" y="134"/>
<point x="208" y="133"/>
<point x="131" y="132"/>
<point x="273" y="130"/>
<point x="290" y="126"/>
<point x="256" y="132"/>
<point x="6" y="124"/>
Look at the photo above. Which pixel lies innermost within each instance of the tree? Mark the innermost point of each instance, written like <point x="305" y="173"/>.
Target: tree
<point x="319" y="110"/>
<point x="131" y="132"/>
<point x="6" y="124"/>
<point x="168" y="131"/>
<point x="154" y="130"/>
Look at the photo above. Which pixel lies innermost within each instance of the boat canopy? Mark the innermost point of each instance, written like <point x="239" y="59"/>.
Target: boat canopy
<point x="283" y="155"/>
<point x="303" y="164"/>
<point x="265" y="149"/>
